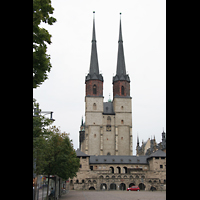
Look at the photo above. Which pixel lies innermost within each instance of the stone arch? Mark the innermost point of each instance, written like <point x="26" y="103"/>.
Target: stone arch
<point x="141" y="186"/>
<point x="112" y="170"/>
<point x="91" y="188"/>
<point x="124" y="170"/>
<point x="103" y="186"/>
<point x="152" y="188"/>
<point x="122" y="186"/>
<point x="77" y="181"/>
<point x="131" y="184"/>
<point x="119" y="170"/>
<point x="112" y="186"/>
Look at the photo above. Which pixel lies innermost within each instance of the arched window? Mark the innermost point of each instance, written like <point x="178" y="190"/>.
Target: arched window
<point x="125" y="170"/>
<point x="94" y="106"/>
<point x="108" y="120"/>
<point x="112" y="170"/>
<point x="94" y="89"/>
<point x="119" y="170"/>
<point x="122" y="90"/>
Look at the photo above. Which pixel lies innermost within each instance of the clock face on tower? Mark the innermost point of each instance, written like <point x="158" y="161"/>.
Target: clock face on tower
<point x="108" y="128"/>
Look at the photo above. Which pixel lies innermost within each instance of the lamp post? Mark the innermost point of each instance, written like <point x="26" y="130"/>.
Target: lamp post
<point x="37" y="112"/>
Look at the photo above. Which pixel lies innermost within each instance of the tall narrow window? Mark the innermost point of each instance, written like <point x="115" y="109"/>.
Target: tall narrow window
<point x="94" y="106"/>
<point x="122" y="90"/>
<point x="94" y="89"/>
<point x="108" y="126"/>
<point x="108" y="120"/>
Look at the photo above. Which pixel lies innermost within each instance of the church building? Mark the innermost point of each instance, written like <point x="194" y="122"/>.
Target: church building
<point x="108" y="125"/>
<point x="105" y="138"/>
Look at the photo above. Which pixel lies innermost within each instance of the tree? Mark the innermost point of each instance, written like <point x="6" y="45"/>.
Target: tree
<point x="40" y="134"/>
<point x="60" y="158"/>
<point x="41" y="61"/>
<point x="53" y="151"/>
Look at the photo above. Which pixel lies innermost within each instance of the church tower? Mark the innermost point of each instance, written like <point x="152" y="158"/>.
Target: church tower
<point x="93" y="103"/>
<point x="108" y="125"/>
<point x="122" y="103"/>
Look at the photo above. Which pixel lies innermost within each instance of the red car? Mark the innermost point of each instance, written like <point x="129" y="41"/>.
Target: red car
<point x="133" y="188"/>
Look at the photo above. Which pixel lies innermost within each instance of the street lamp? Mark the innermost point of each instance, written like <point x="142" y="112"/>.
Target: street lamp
<point x="36" y="112"/>
<point x="49" y="112"/>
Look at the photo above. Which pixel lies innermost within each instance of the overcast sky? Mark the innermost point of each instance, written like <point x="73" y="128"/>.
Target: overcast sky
<point x="144" y="40"/>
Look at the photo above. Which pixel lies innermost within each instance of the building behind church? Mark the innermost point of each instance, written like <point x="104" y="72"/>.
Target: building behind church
<point x="105" y="138"/>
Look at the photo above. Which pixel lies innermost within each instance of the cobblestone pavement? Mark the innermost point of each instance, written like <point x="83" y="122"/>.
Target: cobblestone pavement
<point x="114" y="195"/>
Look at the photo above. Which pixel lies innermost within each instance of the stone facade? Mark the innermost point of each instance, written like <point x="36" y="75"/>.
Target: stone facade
<point x="105" y="139"/>
<point x="120" y="172"/>
<point x="107" y="134"/>
<point x="151" y="146"/>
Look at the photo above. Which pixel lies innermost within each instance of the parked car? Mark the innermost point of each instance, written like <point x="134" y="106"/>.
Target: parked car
<point x="133" y="188"/>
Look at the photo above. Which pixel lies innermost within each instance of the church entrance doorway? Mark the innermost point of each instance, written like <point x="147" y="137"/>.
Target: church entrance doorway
<point x="122" y="186"/>
<point x="113" y="186"/>
<point x="141" y="186"/>
<point x="103" y="186"/>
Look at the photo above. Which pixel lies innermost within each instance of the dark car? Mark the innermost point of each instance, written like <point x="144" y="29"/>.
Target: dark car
<point x="133" y="188"/>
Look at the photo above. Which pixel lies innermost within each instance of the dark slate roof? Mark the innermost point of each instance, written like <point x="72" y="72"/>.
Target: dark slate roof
<point x="121" y="67"/>
<point x="118" y="159"/>
<point x="108" y="108"/>
<point x="94" y="65"/>
<point x="79" y="153"/>
<point x="158" y="153"/>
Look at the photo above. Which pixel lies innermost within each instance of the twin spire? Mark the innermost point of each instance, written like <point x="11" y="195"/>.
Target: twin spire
<point x="121" y="67"/>
<point x="94" y="65"/>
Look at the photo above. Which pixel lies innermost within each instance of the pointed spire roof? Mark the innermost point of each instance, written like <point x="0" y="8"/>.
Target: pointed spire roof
<point x="94" y="65"/>
<point x="121" y="67"/>
<point x="137" y="140"/>
<point x="82" y="121"/>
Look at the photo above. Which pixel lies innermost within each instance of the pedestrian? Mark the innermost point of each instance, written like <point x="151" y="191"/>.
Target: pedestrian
<point x="52" y="194"/>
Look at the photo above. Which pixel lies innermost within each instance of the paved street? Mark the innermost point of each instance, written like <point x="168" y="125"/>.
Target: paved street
<point x="114" y="195"/>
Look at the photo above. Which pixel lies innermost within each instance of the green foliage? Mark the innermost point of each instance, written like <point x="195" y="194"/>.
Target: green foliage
<point x="52" y="150"/>
<point x="41" y="61"/>
<point x="40" y="123"/>
<point x="61" y="158"/>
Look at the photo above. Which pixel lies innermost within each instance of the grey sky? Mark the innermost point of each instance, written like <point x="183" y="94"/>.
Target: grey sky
<point x="144" y="40"/>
